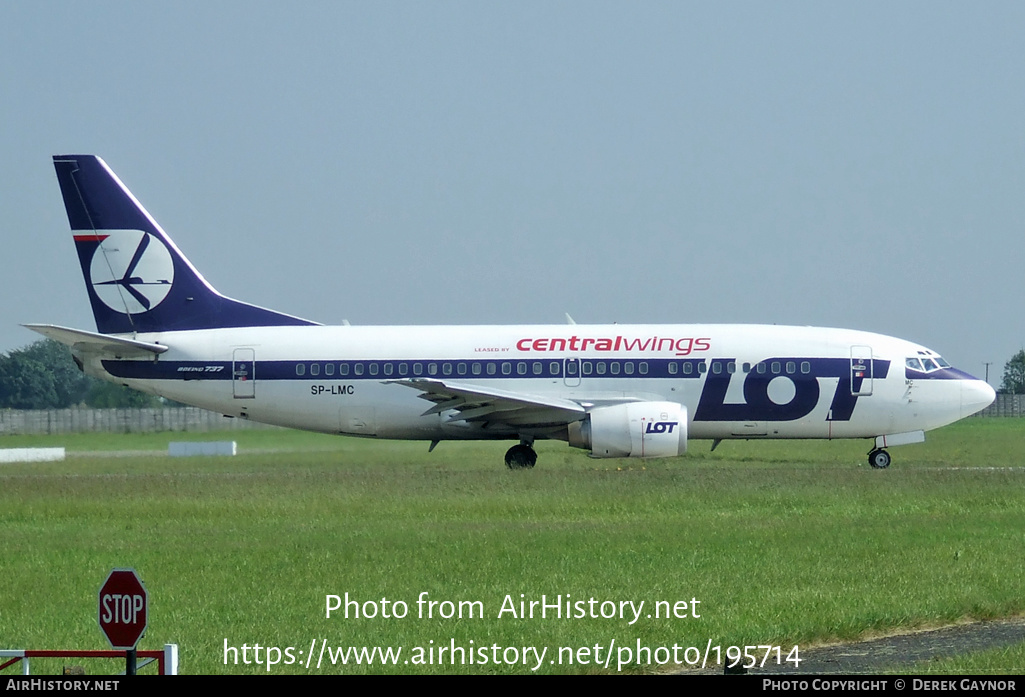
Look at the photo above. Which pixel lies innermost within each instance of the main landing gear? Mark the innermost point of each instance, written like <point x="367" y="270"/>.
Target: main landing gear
<point x="520" y="456"/>
<point x="877" y="457"/>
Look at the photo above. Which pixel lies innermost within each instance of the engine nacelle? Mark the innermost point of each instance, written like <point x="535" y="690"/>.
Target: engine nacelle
<point x="637" y="429"/>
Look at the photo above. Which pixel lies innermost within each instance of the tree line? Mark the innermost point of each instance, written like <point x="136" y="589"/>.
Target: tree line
<point x="1014" y="375"/>
<point x="43" y="375"/>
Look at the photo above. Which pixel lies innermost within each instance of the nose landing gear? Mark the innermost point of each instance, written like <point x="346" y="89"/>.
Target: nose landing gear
<point x="878" y="458"/>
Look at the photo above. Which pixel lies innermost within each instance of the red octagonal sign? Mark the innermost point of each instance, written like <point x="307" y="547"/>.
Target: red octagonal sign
<point x="123" y="611"/>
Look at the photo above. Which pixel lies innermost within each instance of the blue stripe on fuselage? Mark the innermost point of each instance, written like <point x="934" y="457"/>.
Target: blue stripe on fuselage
<point x="803" y="373"/>
<point x="377" y="370"/>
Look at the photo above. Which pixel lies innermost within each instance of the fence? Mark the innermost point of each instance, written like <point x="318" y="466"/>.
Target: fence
<point x="1006" y="405"/>
<point x="59" y="421"/>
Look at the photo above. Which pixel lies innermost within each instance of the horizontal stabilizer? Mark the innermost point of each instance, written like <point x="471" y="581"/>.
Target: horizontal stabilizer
<point x="91" y="342"/>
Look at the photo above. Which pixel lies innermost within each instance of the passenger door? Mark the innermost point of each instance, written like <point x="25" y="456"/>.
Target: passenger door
<point x="243" y="373"/>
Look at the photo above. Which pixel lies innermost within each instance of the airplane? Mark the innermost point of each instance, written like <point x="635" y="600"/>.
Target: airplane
<point x="615" y="390"/>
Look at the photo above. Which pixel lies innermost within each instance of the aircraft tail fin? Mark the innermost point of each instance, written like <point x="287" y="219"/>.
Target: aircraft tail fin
<point x="137" y="278"/>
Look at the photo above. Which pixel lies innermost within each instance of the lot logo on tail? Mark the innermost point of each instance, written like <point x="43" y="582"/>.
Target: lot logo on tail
<point x="131" y="271"/>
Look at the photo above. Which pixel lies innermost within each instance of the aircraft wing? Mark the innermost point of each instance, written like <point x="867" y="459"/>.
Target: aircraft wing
<point x="91" y="342"/>
<point x="476" y="404"/>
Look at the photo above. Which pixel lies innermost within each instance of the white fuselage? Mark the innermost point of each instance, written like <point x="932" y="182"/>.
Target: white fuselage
<point x="735" y="381"/>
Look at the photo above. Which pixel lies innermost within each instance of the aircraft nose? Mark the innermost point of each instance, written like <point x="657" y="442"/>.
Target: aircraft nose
<point x="976" y="395"/>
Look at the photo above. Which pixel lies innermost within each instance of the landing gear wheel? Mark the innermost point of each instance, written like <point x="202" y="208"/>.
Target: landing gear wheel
<point x="879" y="459"/>
<point x="520" y="457"/>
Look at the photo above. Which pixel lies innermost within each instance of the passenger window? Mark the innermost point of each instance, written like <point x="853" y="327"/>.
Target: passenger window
<point x="614" y="367"/>
<point x="403" y="369"/>
<point x="300" y="368"/>
<point x="373" y="368"/>
<point x="506" y="368"/>
<point x="461" y="368"/>
<point x="358" y="369"/>
<point x="521" y="368"/>
<point x="702" y="368"/>
<point x="343" y="369"/>
<point x="538" y="367"/>
<point x="643" y="367"/>
<point x="491" y="369"/>
<point x="554" y="367"/>
<point x="446" y="368"/>
<point x="315" y="369"/>
<point x="587" y="367"/>
<point x="791" y="367"/>
<point x="389" y="368"/>
<point x="776" y="367"/>
<point x="599" y="367"/>
<point x="717" y="368"/>
<point x="761" y="367"/>
<point x="329" y="369"/>
<point x="628" y="368"/>
<point x="747" y="367"/>
<point x="688" y="368"/>
<point x="475" y="368"/>
<point x="673" y="368"/>
<point x="805" y="367"/>
<point x="432" y="368"/>
<point x="418" y="369"/>
<point x="731" y="367"/>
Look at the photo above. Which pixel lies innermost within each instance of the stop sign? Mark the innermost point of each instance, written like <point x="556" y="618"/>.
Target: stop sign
<point x="123" y="613"/>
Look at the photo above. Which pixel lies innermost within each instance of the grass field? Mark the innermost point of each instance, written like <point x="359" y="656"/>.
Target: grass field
<point x="783" y="544"/>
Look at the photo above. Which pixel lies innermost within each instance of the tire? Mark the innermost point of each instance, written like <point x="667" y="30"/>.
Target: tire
<point x="520" y="457"/>
<point x="879" y="459"/>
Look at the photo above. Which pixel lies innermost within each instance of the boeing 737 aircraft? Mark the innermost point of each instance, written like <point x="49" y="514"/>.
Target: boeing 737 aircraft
<point x="614" y="390"/>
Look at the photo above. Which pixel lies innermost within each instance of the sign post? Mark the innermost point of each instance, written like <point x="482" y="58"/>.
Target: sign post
<point x="123" y="613"/>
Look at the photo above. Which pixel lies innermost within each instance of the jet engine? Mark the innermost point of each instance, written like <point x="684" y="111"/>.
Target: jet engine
<point x="635" y="429"/>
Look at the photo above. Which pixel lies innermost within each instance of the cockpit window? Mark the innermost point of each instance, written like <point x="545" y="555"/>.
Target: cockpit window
<point x="925" y="364"/>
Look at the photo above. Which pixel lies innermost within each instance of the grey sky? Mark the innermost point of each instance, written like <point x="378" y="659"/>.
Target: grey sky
<point x="460" y="163"/>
